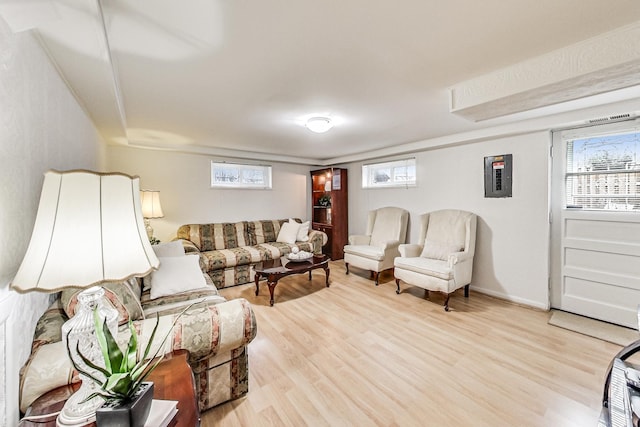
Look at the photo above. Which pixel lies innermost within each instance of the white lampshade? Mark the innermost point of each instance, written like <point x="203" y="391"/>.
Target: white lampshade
<point x="151" y="207"/>
<point x="319" y="124"/>
<point x="89" y="230"/>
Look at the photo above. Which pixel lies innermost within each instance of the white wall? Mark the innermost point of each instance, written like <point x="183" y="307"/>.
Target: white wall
<point x="513" y="239"/>
<point x="41" y="127"/>
<point x="186" y="197"/>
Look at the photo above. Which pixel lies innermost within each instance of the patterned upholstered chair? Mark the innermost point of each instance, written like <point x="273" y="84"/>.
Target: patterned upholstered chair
<point x="443" y="260"/>
<point x="375" y="251"/>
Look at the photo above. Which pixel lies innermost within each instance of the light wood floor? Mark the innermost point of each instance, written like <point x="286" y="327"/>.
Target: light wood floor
<point x="357" y="355"/>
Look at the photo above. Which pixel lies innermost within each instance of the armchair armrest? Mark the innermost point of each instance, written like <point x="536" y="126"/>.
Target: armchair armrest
<point x="391" y="245"/>
<point x="459" y="257"/>
<point x="359" y="239"/>
<point x="410" y="250"/>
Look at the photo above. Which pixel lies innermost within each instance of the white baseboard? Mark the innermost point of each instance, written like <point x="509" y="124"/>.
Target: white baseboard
<point x="517" y="300"/>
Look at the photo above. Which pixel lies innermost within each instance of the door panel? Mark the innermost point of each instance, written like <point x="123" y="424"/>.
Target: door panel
<point x="595" y="254"/>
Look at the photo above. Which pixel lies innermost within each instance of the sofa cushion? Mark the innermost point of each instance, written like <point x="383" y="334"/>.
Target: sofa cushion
<point x="209" y="237"/>
<point x="172" y="304"/>
<point x="366" y="251"/>
<point x="427" y="266"/>
<point x="263" y="231"/>
<point x="49" y="326"/>
<point x="438" y="250"/>
<point x="288" y="233"/>
<point x="303" y="231"/>
<point x="176" y="274"/>
<point x="173" y="248"/>
<point x="448" y="227"/>
<point x="121" y="295"/>
<point x="215" y="260"/>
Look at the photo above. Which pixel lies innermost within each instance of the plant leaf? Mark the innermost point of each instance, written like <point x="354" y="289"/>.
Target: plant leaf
<point x="132" y="348"/>
<point x="114" y="354"/>
<point x="100" y="327"/>
<point x="90" y="364"/>
<point x="119" y="384"/>
<point x="84" y="359"/>
<point x="153" y="334"/>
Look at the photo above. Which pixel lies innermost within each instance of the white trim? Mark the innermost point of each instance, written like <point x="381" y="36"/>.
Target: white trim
<point x="7" y="302"/>
<point x="517" y="300"/>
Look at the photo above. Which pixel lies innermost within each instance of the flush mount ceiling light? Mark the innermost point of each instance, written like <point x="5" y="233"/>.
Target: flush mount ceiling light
<point x="319" y="124"/>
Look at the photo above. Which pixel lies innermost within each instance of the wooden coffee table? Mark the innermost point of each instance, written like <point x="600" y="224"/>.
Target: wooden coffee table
<point x="276" y="269"/>
<point x="172" y="379"/>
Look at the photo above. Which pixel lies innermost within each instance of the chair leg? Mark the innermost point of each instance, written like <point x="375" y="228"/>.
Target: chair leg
<point x="446" y="302"/>
<point x="347" y="265"/>
<point x="398" y="286"/>
<point x="376" y="275"/>
<point x="466" y="291"/>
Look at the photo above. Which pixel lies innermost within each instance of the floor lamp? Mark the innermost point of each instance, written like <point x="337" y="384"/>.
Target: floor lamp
<point x="89" y="230"/>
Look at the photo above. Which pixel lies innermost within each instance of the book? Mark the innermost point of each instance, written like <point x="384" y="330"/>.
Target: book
<point x="161" y="413"/>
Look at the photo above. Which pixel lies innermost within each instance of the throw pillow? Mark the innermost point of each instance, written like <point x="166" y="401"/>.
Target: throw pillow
<point x="288" y="233"/>
<point x="162" y="250"/>
<point x="175" y="275"/>
<point x="120" y="295"/>
<point x="173" y="248"/>
<point x="437" y="250"/>
<point x="303" y="231"/>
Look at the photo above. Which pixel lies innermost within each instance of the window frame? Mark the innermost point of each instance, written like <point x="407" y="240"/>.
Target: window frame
<point x="585" y="185"/>
<point x="243" y="172"/>
<point x="390" y="166"/>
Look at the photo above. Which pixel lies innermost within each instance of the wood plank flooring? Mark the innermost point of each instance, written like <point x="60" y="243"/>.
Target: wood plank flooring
<point x="355" y="354"/>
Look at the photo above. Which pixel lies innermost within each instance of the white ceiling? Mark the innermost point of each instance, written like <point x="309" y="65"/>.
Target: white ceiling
<point x="239" y="77"/>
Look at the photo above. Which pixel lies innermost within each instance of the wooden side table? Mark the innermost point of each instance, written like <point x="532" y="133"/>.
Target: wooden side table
<point x="172" y="378"/>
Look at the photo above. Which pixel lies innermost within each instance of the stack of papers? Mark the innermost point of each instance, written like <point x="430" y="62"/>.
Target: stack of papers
<point x="161" y="413"/>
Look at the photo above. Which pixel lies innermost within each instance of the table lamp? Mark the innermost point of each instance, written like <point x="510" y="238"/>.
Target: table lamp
<point x="88" y="231"/>
<point x="151" y="209"/>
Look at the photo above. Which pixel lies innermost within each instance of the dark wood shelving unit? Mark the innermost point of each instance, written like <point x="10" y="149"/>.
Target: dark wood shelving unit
<point x="329" y="203"/>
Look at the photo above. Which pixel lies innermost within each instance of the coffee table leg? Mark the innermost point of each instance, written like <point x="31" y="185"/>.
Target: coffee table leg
<point x="326" y="272"/>
<point x="272" y="286"/>
<point x="257" y="279"/>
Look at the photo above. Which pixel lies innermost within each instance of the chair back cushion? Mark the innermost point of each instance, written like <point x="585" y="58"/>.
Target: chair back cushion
<point x="448" y="228"/>
<point x="388" y="224"/>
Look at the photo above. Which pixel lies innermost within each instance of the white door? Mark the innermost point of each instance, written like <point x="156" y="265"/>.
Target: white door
<point x="595" y="222"/>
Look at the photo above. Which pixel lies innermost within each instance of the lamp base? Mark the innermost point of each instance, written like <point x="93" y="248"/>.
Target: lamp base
<point x="147" y="226"/>
<point x="79" y="333"/>
<point x="63" y="421"/>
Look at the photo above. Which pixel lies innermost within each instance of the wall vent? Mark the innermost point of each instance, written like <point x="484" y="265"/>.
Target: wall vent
<point x="616" y="117"/>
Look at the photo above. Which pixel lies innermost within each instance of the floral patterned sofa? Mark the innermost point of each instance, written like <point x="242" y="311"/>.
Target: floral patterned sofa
<point x="215" y="331"/>
<point x="228" y="251"/>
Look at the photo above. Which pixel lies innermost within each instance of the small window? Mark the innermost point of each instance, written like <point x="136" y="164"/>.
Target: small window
<point x="230" y="175"/>
<point x="397" y="173"/>
<point x="603" y="172"/>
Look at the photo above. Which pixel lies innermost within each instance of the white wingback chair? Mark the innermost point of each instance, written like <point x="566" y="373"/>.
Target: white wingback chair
<point x="375" y="251"/>
<point x="443" y="260"/>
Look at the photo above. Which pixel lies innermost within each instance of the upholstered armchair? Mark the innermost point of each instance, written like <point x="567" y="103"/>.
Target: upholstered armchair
<point x="375" y="251"/>
<point x="443" y="259"/>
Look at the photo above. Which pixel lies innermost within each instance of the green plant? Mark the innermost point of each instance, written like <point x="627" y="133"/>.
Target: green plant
<point x="325" y="200"/>
<point x="124" y="372"/>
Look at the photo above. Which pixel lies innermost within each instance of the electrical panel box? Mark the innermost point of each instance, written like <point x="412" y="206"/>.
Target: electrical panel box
<point x="498" y="175"/>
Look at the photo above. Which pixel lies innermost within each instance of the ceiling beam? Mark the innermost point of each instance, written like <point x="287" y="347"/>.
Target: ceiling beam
<point x="598" y="65"/>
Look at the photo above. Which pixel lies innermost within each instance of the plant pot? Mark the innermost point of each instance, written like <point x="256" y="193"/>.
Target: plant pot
<point x="127" y="414"/>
